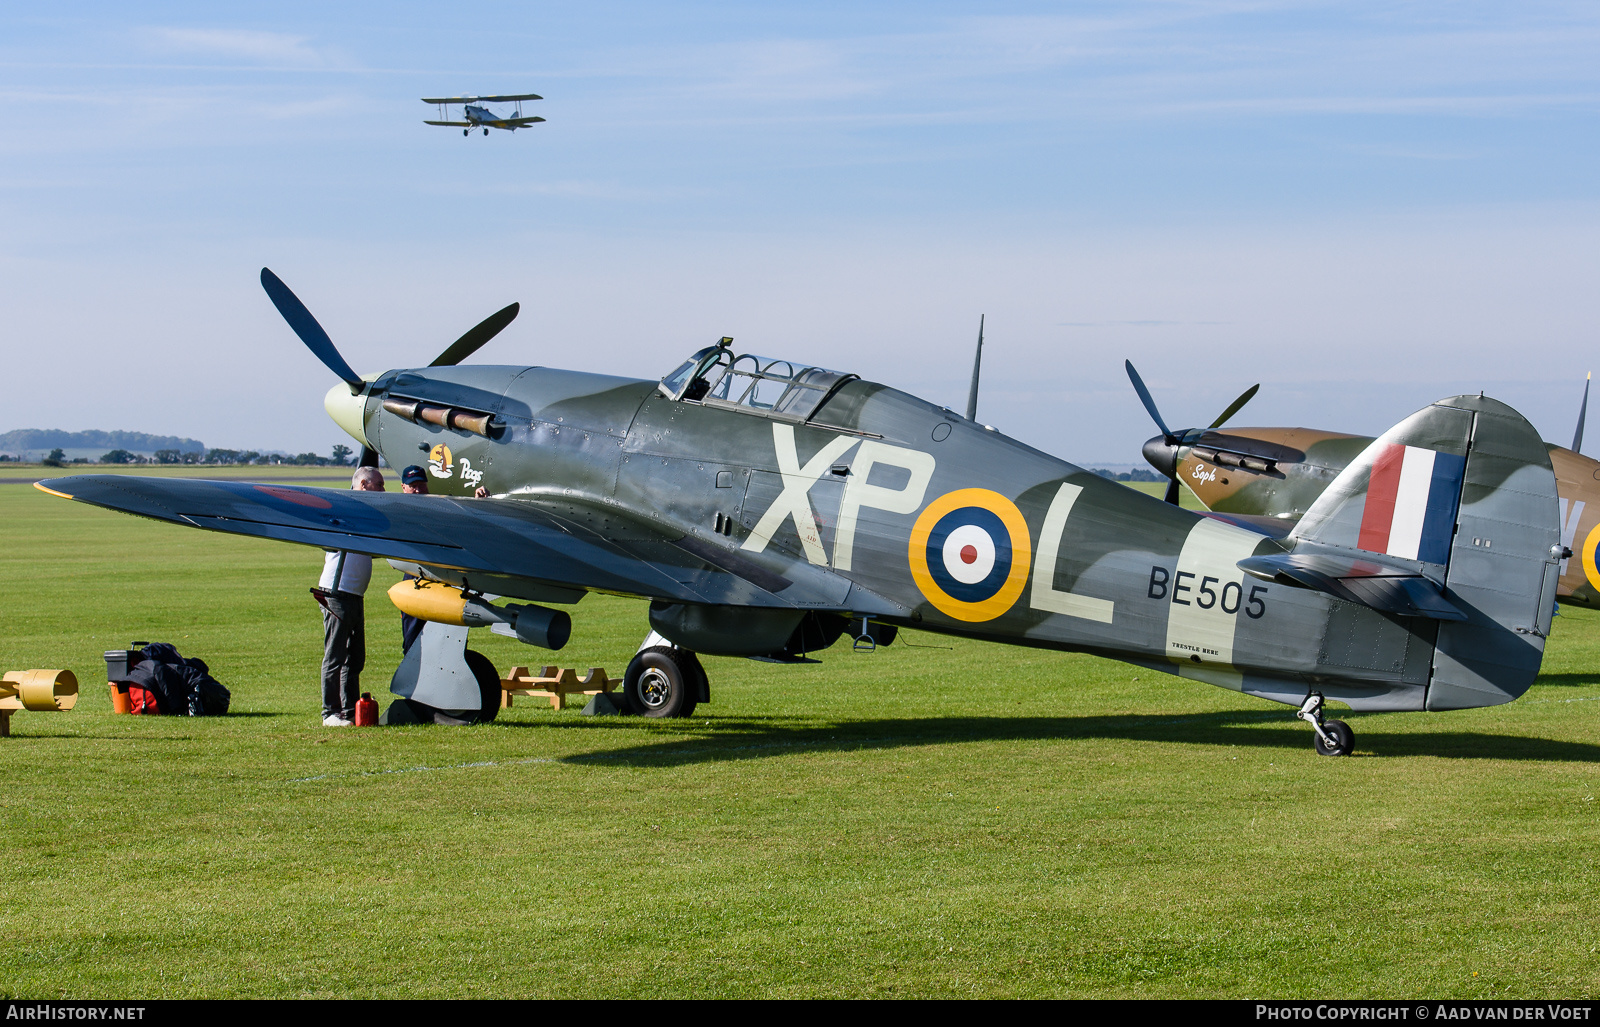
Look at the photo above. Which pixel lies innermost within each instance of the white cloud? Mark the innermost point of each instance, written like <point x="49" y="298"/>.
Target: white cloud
<point x="242" y="44"/>
<point x="1135" y="60"/>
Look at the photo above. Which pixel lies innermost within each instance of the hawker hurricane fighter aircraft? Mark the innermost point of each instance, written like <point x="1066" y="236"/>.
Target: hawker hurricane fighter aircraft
<point x="765" y="507"/>
<point x="482" y="117"/>
<point x="1273" y="476"/>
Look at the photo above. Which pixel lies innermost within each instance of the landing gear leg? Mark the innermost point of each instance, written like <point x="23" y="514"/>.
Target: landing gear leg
<point x="1333" y="737"/>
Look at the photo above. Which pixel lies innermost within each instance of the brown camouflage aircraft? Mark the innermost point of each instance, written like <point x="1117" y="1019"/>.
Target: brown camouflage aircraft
<point x="1266" y="475"/>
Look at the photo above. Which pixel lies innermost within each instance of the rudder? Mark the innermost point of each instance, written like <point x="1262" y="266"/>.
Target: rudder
<point x="1504" y="563"/>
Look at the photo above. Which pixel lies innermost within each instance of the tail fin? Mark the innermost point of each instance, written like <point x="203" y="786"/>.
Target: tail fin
<point x="1460" y="494"/>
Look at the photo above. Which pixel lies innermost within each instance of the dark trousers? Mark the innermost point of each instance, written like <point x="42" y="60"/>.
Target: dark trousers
<point x="344" y="653"/>
<point x="410" y="627"/>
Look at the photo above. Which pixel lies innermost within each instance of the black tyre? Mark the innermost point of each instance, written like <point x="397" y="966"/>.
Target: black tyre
<point x="488" y="685"/>
<point x="1339" y="733"/>
<point x="658" y="684"/>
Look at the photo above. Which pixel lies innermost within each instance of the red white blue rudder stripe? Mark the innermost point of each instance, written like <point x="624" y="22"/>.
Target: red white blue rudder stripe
<point x="1411" y="503"/>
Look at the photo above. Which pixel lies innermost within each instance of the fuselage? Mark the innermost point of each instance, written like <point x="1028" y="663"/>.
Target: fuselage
<point x="887" y="506"/>
<point x="476" y="115"/>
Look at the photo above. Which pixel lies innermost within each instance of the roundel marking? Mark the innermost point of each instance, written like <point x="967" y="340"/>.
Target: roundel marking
<point x="1590" y="571"/>
<point x="296" y="497"/>
<point x="330" y="508"/>
<point x="969" y="553"/>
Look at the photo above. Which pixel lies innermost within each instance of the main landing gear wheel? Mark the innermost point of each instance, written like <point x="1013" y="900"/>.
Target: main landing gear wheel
<point x="1333" y="737"/>
<point x="485" y="131"/>
<point x="466" y="131"/>
<point x="488" y="685"/>
<point x="662" y="682"/>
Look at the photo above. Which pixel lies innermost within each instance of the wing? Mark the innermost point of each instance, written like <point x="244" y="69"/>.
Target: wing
<point x="452" y="124"/>
<point x="492" y="544"/>
<point x="1272" y="527"/>
<point x="483" y="99"/>
<point x="519" y="122"/>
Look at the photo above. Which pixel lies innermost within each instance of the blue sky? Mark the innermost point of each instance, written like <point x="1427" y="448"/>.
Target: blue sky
<point x="1362" y="206"/>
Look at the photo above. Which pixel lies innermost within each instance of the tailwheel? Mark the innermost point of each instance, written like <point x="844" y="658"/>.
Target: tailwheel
<point x="1333" y="737"/>
<point x="1340" y="740"/>
<point x="662" y="682"/>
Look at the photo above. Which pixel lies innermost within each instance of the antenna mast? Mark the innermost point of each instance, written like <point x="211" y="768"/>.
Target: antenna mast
<point x="977" y="363"/>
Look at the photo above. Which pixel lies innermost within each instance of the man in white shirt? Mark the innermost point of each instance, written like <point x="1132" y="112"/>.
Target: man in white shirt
<point x="344" y="633"/>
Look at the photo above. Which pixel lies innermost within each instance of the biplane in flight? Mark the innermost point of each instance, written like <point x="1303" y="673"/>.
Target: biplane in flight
<point x="482" y="117"/>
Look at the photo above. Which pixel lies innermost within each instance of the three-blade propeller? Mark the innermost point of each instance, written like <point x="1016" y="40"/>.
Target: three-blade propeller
<point x="317" y="341"/>
<point x="1171" y="439"/>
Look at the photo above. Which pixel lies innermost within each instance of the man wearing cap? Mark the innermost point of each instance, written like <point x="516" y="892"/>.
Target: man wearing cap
<point x="413" y="482"/>
<point x="344" y="632"/>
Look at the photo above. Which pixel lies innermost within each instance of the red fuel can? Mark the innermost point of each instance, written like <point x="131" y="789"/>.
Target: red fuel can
<point x="366" y="710"/>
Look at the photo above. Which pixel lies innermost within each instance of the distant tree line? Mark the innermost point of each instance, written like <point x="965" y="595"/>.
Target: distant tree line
<point x="1137" y="474"/>
<point x="341" y="457"/>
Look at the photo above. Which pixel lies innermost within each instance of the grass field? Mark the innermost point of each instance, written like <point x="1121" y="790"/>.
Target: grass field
<point x="950" y="819"/>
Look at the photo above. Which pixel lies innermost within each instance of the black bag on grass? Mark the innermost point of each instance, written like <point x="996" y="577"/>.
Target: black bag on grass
<point x="182" y="687"/>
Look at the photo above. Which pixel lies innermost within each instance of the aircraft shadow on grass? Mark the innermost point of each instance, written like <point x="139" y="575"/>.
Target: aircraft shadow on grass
<point x="1570" y="680"/>
<point x="753" y="738"/>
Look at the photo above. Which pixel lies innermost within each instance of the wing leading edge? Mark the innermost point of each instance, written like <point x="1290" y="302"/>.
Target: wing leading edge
<point x="505" y="539"/>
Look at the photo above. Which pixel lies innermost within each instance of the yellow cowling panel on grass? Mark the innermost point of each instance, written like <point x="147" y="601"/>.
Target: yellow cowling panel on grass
<point x="39" y="690"/>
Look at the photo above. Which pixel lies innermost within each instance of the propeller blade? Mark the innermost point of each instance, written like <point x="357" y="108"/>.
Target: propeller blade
<point x="1233" y="408"/>
<point x="1172" y="491"/>
<point x="1144" y="397"/>
<point x="476" y="336"/>
<point x="1577" y="436"/>
<point x="369" y="457"/>
<point x="310" y="332"/>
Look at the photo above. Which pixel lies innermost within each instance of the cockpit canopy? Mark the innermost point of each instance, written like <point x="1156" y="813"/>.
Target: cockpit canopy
<point x="761" y="385"/>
